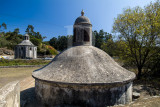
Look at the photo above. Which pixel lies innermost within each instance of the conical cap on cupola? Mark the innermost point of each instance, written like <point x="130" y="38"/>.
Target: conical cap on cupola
<point x="83" y="64"/>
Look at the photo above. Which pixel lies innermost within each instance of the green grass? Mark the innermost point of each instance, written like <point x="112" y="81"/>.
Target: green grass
<point x="5" y="62"/>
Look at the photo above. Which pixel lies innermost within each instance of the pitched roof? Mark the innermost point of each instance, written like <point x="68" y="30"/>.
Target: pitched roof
<point x="26" y="42"/>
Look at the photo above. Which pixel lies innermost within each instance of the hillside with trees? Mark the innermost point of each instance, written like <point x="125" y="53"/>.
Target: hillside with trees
<point x="10" y="39"/>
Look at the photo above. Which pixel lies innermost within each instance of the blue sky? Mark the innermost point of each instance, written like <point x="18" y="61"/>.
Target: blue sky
<point x="56" y="17"/>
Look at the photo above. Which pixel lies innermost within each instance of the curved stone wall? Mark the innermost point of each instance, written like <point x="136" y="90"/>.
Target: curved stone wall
<point x="53" y="94"/>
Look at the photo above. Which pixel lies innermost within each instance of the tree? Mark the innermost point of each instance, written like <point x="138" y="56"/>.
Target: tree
<point x="33" y="34"/>
<point x="13" y="38"/>
<point x="139" y="29"/>
<point x="62" y="43"/>
<point x="16" y="31"/>
<point x="53" y="42"/>
<point x="109" y="46"/>
<point x="3" y="25"/>
<point x="99" y="38"/>
<point x="3" y="42"/>
<point x="30" y="30"/>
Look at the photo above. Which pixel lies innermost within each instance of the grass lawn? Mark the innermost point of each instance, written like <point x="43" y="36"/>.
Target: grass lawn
<point x="5" y="62"/>
<point x="12" y="74"/>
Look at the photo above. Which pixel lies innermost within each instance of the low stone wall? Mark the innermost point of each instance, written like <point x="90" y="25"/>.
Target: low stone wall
<point x="10" y="95"/>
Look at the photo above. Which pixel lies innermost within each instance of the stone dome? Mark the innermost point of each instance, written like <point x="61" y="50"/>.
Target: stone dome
<point x="82" y="20"/>
<point x="84" y="65"/>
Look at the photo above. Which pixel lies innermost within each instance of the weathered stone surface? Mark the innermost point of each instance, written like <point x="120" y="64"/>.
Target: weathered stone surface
<point x="82" y="95"/>
<point x="85" y="65"/>
<point x="82" y="20"/>
<point x="10" y="95"/>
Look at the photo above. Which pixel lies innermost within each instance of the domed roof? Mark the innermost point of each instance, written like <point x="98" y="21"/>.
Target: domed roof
<point x="82" y="19"/>
<point x="84" y="65"/>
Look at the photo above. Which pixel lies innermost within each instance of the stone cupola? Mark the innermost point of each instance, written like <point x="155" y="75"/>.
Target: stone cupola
<point x="26" y="37"/>
<point x="82" y="31"/>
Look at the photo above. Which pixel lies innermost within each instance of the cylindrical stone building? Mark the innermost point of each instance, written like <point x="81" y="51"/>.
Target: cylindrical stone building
<point x="26" y="49"/>
<point x="83" y="75"/>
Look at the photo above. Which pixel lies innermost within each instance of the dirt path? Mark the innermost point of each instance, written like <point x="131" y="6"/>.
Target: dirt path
<point x="28" y="82"/>
<point x="12" y="74"/>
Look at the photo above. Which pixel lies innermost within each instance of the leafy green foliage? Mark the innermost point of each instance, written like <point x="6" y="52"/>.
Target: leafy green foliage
<point x="104" y="41"/>
<point x="61" y="43"/>
<point x="51" y="50"/>
<point x="3" y="42"/>
<point x="10" y="39"/>
<point x="139" y="30"/>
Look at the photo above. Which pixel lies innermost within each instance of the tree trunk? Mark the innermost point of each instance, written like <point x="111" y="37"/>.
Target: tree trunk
<point x="139" y="73"/>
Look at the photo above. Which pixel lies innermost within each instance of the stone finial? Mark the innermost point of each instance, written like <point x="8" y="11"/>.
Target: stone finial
<point x="82" y="12"/>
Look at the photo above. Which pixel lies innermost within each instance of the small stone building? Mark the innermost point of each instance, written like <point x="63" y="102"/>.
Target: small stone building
<point x="83" y="75"/>
<point x="26" y="49"/>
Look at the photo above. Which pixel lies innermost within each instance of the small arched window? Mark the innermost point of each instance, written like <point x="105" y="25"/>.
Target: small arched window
<point x="86" y="36"/>
<point x="30" y="48"/>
